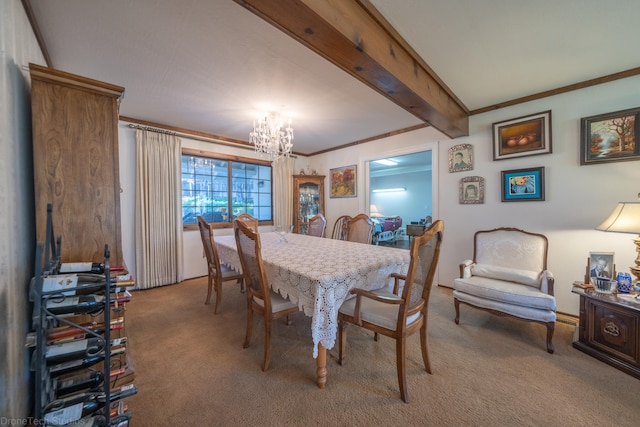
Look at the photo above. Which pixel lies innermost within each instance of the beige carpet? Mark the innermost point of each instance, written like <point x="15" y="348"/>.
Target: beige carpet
<point x="191" y="370"/>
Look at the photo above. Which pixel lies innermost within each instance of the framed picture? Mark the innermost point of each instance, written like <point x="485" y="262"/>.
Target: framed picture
<point x="601" y="264"/>
<point x="461" y="158"/>
<point x="522" y="136"/>
<point x="343" y="181"/>
<point x="471" y="190"/>
<point x="611" y="137"/>
<point x="520" y="185"/>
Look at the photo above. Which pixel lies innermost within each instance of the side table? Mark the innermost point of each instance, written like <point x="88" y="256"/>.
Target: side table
<point x="414" y="230"/>
<point x="609" y="329"/>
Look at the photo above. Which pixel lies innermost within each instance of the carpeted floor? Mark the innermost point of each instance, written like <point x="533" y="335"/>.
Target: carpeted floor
<point x="191" y="370"/>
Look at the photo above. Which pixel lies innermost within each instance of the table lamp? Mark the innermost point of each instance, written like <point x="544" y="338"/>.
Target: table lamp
<point x="625" y="218"/>
<point x="374" y="213"/>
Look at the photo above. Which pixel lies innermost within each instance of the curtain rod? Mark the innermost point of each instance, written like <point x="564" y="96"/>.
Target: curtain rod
<point x="196" y="137"/>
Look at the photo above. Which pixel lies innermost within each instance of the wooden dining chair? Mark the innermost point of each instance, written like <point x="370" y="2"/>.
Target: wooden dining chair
<point x="260" y="298"/>
<point x="248" y="219"/>
<point x="218" y="274"/>
<point x="403" y="312"/>
<point x="360" y="229"/>
<point x="317" y="224"/>
<point x="340" y="228"/>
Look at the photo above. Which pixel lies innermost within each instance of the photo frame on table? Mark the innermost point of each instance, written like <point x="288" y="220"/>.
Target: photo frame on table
<point x="522" y="136"/>
<point x="343" y="181"/>
<point x="471" y="190"/>
<point x="601" y="264"/>
<point x="523" y="185"/>
<point x="461" y="158"/>
<point x="611" y="137"/>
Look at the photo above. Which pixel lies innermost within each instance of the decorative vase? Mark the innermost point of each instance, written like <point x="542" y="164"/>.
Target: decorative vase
<point x="624" y="283"/>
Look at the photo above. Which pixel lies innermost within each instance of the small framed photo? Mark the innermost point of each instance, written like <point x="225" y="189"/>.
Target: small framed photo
<point x="471" y="190"/>
<point x="461" y="158"/>
<point x="601" y="264"/>
<point x="522" y="136"/>
<point x="521" y="185"/>
<point x="343" y="181"/>
<point x="611" y="137"/>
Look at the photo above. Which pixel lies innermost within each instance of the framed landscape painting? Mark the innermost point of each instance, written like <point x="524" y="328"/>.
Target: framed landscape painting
<point x="343" y="181"/>
<point x="611" y="137"/>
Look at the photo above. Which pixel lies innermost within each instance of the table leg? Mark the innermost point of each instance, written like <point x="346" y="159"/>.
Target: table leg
<point x="321" y="363"/>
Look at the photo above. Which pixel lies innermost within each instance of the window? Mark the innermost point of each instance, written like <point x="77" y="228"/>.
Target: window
<point x="220" y="188"/>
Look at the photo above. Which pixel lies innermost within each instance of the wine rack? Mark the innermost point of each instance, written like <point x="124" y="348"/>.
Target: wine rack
<point x="73" y="371"/>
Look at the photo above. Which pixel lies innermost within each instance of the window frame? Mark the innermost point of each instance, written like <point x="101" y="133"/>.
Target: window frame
<point x="228" y="158"/>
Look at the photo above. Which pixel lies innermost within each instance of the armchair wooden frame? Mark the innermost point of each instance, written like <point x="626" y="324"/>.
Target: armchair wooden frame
<point x="360" y="229"/>
<point x="248" y="219"/>
<point x="260" y="298"/>
<point x="411" y="314"/>
<point x="218" y="274"/>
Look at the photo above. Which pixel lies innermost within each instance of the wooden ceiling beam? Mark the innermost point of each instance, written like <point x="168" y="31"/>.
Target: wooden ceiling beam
<point x="354" y="36"/>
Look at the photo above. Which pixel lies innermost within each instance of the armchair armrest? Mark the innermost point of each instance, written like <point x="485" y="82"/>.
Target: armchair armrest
<point x="465" y="269"/>
<point x="396" y="282"/>
<point x="546" y="282"/>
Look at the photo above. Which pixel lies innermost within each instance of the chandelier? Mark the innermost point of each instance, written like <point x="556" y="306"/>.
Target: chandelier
<point x="271" y="140"/>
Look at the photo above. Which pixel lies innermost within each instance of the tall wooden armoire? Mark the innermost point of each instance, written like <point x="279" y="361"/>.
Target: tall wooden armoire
<point x="75" y="161"/>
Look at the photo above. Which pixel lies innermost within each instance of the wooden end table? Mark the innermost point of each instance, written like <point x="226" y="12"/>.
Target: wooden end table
<point x="609" y="329"/>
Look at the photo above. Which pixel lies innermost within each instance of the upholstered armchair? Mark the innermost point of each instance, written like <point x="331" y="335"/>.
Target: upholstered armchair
<point x="508" y="276"/>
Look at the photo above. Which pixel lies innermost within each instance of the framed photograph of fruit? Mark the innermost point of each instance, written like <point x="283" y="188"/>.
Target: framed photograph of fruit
<point x="611" y="137"/>
<point x="522" y="136"/>
<point x="523" y="185"/>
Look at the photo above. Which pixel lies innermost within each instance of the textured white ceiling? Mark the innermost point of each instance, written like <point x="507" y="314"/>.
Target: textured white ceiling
<point x="212" y="66"/>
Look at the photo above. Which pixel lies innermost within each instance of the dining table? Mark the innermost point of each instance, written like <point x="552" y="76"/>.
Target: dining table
<point x="317" y="273"/>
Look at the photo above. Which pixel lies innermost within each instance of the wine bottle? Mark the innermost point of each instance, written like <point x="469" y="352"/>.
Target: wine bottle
<point x="84" y="381"/>
<point x="74" y="365"/>
<point x="77" y="406"/>
<point x="82" y="267"/>
<point x="74" y="304"/>
<point x="60" y="353"/>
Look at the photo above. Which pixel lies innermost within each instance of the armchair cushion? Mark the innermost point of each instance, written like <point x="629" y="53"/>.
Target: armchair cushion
<point x="506" y="292"/>
<point x="524" y="277"/>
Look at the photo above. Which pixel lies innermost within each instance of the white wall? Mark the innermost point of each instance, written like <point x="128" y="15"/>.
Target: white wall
<point x="18" y="47"/>
<point x="578" y="197"/>
<point x="195" y="265"/>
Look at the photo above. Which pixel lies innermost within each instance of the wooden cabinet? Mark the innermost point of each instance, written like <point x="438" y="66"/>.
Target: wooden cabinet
<point x="75" y="160"/>
<point x="609" y="329"/>
<point x="308" y="200"/>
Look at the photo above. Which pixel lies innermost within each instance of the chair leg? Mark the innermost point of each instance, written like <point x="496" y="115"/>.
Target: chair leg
<point x="267" y="343"/>
<point x="424" y="343"/>
<point x="247" y="338"/>
<point x="456" y="303"/>
<point x="218" y="286"/>
<point x="210" y="284"/>
<point x="241" y="286"/>
<point x="550" y="328"/>
<point x="342" y="341"/>
<point x="400" y="359"/>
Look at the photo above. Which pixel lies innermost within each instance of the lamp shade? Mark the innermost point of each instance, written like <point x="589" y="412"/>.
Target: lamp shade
<point x="625" y="218"/>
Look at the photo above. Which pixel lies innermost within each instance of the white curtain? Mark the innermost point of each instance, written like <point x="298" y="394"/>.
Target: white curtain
<point x="159" y="249"/>
<point x="283" y="191"/>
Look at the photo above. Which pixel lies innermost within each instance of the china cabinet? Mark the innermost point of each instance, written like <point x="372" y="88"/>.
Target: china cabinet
<point x="308" y="200"/>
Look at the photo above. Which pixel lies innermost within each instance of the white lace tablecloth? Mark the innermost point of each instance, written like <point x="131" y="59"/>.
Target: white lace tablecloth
<point x="317" y="273"/>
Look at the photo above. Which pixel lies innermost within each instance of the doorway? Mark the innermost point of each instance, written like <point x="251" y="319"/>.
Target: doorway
<point x="400" y="192"/>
